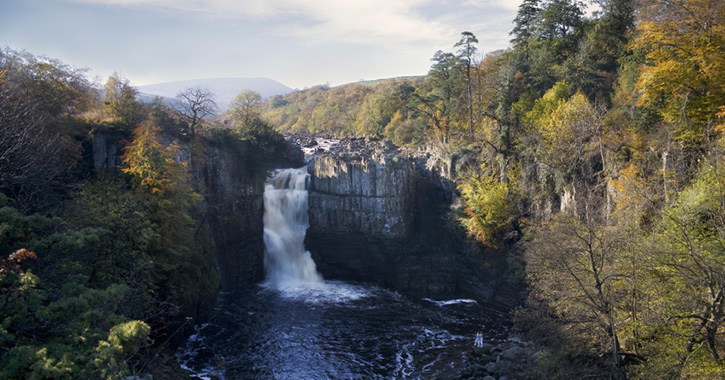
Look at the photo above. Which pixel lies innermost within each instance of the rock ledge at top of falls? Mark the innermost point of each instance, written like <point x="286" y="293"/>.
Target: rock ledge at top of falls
<point x="351" y="149"/>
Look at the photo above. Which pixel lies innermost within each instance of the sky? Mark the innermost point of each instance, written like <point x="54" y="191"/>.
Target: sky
<point x="300" y="43"/>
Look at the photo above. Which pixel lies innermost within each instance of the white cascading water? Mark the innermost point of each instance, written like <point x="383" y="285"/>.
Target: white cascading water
<point x="286" y="261"/>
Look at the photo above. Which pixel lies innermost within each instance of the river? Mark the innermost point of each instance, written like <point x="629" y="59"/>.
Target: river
<point x="337" y="331"/>
<point x="296" y="326"/>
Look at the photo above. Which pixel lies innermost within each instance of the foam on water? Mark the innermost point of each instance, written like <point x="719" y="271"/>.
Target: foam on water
<point x="451" y="302"/>
<point x="298" y="326"/>
<point x="319" y="292"/>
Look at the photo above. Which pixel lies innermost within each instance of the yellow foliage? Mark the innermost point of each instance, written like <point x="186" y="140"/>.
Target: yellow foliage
<point x="684" y="42"/>
<point x="487" y="208"/>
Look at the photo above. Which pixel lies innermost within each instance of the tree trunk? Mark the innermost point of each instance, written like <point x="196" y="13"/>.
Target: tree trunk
<point x="616" y="356"/>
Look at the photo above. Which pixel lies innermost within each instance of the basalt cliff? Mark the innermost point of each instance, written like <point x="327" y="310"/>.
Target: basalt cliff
<point x="377" y="215"/>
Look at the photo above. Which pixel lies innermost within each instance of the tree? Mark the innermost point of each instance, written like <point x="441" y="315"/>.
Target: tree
<point x="560" y="24"/>
<point x="196" y="104"/>
<point x="375" y="113"/>
<point x="437" y="100"/>
<point x="552" y="39"/>
<point x="685" y="74"/>
<point x="488" y="207"/>
<point x="120" y="100"/>
<point x="525" y="24"/>
<point x="37" y="145"/>
<point x="245" y="108"/>
<point x="691" y="262"/>
<point x="466" y="55"/>
<point x="56" y="89"/>
<point x="573" y="265"/>
<point x="611" y="33"/>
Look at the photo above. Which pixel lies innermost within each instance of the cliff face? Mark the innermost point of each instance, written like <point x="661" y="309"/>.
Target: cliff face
<point x="234" y="189"/>
<point x="376" y="216"/>
<point x="234" y="213"/>
<point x="361" y="195"/>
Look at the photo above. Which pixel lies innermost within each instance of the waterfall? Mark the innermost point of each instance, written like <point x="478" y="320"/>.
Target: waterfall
<point x="285" y="224"/>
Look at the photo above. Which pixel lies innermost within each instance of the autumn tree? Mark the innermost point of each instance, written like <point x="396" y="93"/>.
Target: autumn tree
<point x="196" y="105"/>
<point x="120" y="100"/>
<point x="164" y="180"/>
<point x="685" y="73"/>
<point x="488" y="207"/>
<point x="573" y="265"/>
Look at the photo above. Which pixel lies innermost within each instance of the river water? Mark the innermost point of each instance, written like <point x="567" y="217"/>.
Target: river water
<point x="297" y="326"/>
<point x="336" y="331"/>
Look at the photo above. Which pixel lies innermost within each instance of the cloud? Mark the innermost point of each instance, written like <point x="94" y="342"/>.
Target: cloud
<point x="378" y="22"/>
<point x="500" y="4"/>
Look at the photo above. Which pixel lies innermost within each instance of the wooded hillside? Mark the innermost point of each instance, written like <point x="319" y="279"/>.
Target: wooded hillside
<point x="594" y="146"/>
<point x="105" y="255"/>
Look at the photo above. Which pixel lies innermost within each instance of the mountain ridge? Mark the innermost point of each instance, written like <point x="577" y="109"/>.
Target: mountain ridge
<point x="224" y="89"/>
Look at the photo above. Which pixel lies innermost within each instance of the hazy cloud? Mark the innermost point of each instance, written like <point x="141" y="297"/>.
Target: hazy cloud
<point x="500" y="4"/>
<point x="378" y="22"/>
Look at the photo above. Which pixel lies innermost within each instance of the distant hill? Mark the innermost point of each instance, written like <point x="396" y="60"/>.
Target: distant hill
<point x="363" y="108"/>
<point x="224" y="89"/>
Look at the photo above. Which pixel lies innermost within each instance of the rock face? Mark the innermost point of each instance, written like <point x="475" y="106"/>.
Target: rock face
<point x="234" y="212"/>
<point x="376" y="216"/>
<point x="105" y="148"/>
<point x="235" y="208"/>
<point x="361" y="195"/>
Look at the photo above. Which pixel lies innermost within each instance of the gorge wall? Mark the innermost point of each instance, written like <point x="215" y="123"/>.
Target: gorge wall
<point x="233" y="192"/>
<point x="379" y="216"/>
<point x="376" y="216"/>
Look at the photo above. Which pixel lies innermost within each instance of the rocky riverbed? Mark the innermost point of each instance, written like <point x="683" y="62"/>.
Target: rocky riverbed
<point x="507" y="360"/>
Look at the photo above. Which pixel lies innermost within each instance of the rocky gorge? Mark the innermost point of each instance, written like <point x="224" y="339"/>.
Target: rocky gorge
<point x="377" y="215"/>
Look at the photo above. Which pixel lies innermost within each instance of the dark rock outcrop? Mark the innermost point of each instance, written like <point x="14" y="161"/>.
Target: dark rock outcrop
<point x="376" y="216"/>
<point x="235" y="208"/>
<point x="105" y="147"/>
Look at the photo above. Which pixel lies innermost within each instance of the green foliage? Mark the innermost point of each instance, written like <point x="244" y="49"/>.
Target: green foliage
<point x="614" y="174"/>
<point x="692" y="260"/>
<point x="110" y="258"/>
<point x="245" y="108"/>
<point x="120" y="101"/>
<point x="44" y="334"/>
<point x="361" y="109"/>
<point x="685" y="72"/>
